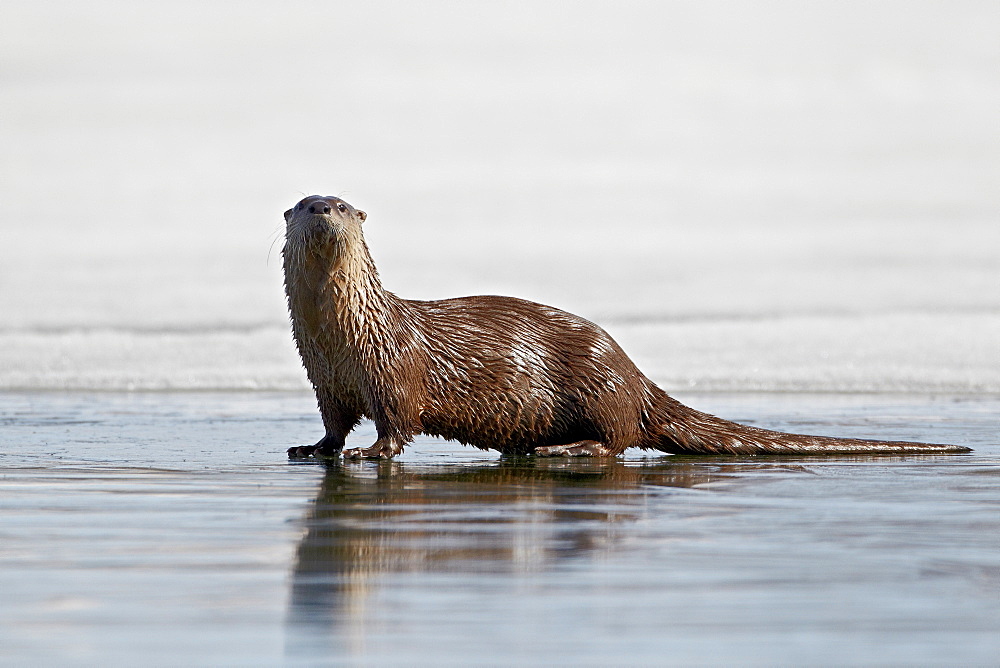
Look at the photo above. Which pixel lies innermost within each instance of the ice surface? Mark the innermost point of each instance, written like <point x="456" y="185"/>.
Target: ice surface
<point x="765" y="196"/>
<point x="170" y="525"/>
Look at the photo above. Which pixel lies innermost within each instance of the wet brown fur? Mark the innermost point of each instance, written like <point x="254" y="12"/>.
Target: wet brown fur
<point x="494" y="372"/>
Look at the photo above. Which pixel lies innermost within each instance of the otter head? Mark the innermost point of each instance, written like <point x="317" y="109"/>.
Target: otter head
<point x="324" y="220"/>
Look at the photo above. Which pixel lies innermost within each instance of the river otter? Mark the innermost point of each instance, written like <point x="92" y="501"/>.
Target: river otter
<point x="497" y="373"/>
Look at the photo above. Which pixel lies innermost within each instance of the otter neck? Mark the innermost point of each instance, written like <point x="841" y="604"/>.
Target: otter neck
<point x="336" y="291"/>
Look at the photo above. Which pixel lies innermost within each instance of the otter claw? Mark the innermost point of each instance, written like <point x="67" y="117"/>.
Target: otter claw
<point x="579" y="449"/>
<point x="307" y="451"/>
<point x="380" y="450"/>
<point x="365" y="453"/>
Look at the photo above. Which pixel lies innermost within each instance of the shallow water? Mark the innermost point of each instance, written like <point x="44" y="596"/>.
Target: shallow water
<point x="169" y="525"/>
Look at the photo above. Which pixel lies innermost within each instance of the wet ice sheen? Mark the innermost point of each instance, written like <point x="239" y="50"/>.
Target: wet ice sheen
<point x="169" y="525"/>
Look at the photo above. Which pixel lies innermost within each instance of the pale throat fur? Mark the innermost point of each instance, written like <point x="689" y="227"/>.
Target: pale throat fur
<point x="338" y="307"/>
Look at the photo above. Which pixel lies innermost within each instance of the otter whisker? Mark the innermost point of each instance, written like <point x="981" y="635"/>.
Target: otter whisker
<point x="276" y="235"/>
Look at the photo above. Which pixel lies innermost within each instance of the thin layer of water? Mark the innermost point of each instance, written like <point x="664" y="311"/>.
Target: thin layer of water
<point x="170" y="525"/>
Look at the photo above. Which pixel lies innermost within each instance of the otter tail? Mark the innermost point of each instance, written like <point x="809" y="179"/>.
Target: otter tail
<point x="688" y="431"/>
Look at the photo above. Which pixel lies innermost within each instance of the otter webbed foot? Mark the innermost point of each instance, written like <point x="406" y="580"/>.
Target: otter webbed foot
<point x="383" y="448"/>
<point x="578" y="449"/>
<point x="326" y="448"/>
<point x="301" y="451"/>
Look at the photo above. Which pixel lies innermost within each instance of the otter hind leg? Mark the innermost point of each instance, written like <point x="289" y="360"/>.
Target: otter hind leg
<point x="383" y="448"/>
<point x="578" y="449"/>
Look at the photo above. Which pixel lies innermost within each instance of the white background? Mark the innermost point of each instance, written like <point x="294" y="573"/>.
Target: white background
<point x="771" y="195"/>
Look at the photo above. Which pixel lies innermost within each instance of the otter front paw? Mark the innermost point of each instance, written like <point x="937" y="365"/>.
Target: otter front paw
<point x="301" y="451"/>
<point x="578" y="449"/>
<point x="383" y="448"/>
<point x="327" y="447"/>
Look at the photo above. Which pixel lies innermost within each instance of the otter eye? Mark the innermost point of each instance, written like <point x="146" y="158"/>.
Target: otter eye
<point x="342" y="207"/>
<point x="298" y="207"/>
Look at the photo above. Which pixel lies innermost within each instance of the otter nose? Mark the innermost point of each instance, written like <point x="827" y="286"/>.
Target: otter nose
<point x="320" y="207"/>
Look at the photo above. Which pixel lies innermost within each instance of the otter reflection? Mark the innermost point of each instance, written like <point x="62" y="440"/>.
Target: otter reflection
<point x="374" y="520"/>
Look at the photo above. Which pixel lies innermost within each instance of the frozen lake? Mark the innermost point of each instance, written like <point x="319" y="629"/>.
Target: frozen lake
<point x="787" y="213"/>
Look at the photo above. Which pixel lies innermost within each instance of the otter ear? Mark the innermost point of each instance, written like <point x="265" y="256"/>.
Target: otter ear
<point x="362" y="215"/>
<point x="288" y="214"/>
